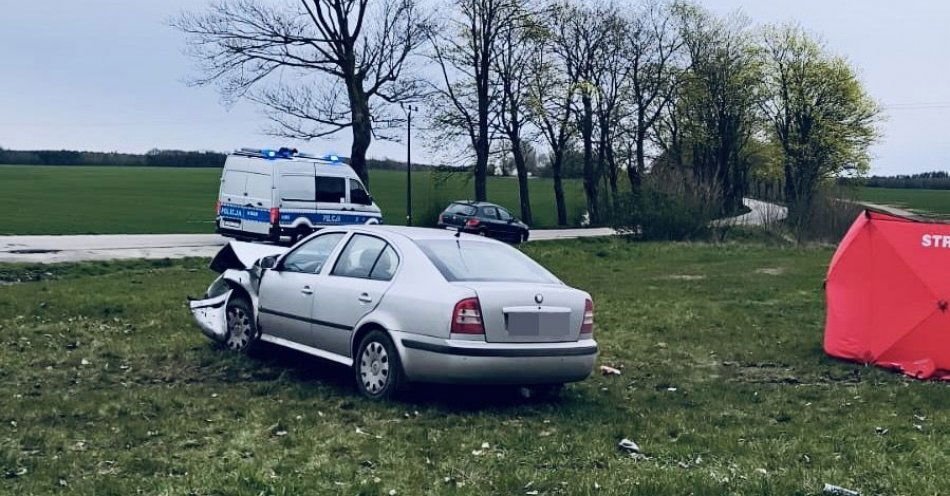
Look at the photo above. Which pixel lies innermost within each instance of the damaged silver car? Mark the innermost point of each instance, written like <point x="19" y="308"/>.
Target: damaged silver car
<point x="400" y="305"/>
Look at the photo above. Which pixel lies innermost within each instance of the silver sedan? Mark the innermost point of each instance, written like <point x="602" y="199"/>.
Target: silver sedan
<point x="400" y="305"/>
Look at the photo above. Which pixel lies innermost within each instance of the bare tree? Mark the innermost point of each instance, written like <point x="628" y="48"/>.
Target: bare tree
<point x="356" y="50"/>
<point x="611" y="78"/>
<point x="551" y="93"/>
<point x="653" y="47"/>
<point x="468" y="93"/>
<point x="518" y="45"/>
<point x="578" y="41"/>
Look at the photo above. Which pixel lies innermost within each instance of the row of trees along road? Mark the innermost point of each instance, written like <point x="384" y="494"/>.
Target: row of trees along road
<point x="632" y="86"/>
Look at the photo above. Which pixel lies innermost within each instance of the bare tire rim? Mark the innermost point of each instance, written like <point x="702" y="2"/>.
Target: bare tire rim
<point x="374" y="367"/>
<point x="239" y="329"/>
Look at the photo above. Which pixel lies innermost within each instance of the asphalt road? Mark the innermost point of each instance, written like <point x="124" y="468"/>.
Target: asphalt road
<point x="53" y="249"/>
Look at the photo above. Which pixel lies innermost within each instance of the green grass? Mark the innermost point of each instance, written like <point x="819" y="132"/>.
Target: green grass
<point x="107" y="388"/>
<point x="103" y="200"/>
<point x="925" y="201"/>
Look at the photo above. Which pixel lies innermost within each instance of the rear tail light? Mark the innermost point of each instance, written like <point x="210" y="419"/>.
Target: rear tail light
<point x="587" y="326"/>
<point x="217" y="207"/>
<point x="467" y="317"/>
<point x="274" y="215"/>
<point x="471" y="223"/>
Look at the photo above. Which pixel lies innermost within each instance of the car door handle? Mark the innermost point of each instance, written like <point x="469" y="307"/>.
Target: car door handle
<point x="306" y="290"/>
<point x="365" y="298"/>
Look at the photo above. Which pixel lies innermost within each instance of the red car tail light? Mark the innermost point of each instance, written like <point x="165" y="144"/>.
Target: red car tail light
<point x="217" y="207"/>
<point x="472" y="223"/>
<point x="274" y="215"/>
<point x="587" y="326"/>
<point x="467" y="317"/>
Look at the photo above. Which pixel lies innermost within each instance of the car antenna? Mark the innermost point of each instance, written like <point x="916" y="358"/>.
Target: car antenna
<point x="458" y="232"/>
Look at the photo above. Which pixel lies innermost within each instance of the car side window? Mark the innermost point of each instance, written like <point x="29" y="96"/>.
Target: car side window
<point x="503" y="214"/>
<point x="386" y="265"/>
<point x="359" y="256"/>
<point x="310" y="256"/>
<point x="490" y="212"/>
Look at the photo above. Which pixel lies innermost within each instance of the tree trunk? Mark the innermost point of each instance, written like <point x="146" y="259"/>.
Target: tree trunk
<point x="590" y="176"/>
<point x="362" y="134"/>
<point x="559" y="186"/>
<point x="522" y="170"/>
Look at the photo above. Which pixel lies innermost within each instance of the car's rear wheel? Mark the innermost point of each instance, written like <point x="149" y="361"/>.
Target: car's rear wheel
<point x="377" y="368"/>
<point x="242" y="334"/>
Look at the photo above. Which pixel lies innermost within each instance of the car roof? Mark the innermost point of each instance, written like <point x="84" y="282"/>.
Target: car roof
<point x="418" y="233"/>
<point x="477" y="203"/>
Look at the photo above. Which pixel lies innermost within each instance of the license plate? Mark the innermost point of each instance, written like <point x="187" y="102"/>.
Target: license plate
<point x="231" y="223"/>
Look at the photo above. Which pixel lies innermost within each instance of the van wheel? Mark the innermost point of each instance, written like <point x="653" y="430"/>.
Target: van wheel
<point x="242" y="335"/>
<point x="299" y="233"/>
<point x="377" y="368"/>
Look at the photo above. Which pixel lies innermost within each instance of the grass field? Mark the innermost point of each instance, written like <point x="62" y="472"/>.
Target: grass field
<point x="109" y="389"/>
<point x="103" y="200"/>
<point x="926" y="201"/>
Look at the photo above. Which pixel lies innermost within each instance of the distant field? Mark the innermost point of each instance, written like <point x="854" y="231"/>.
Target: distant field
<point x="919" y="200"/>
<point x="102" y="200"/>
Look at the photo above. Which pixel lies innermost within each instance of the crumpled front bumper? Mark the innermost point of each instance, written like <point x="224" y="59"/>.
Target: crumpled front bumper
<point x="211" y="315"/>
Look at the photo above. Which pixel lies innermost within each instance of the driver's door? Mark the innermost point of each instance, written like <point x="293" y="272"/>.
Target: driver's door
<point x="286" y="292"/>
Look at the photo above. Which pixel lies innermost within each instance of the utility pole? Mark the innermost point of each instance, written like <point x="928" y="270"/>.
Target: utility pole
<point x="409" y="109"/>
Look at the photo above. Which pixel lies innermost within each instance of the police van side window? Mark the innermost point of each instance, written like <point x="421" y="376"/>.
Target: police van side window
<point x="295" y="187"/>
<point x="330" y="189"/>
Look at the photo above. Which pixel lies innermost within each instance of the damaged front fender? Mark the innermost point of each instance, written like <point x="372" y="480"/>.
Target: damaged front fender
<point x="211" y="315"/>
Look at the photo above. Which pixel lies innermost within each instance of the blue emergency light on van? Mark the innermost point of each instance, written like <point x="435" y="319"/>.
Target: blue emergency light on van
<point x="266" y="194"/>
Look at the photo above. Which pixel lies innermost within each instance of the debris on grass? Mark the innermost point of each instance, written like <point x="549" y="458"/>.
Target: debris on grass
<point x="833" y="490"/>
<point x="881" y="431"/>
<point x="608" y="370"/>
<point x="629" y="445"/>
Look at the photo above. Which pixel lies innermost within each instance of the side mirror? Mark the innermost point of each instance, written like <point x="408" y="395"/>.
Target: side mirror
<point x="268" y="262"/>
<point x="511" y="220"/>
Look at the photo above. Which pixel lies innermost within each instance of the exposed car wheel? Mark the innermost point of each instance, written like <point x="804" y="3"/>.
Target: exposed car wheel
<point x="377" y="366"/>
<point x="242" y="330"/>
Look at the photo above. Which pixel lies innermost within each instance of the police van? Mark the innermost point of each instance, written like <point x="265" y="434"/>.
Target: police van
<point x="266" y="194"/>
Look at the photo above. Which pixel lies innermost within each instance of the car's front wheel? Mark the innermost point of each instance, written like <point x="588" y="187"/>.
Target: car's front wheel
<point x="377" y="368"/>
<point x="242" y="330"/>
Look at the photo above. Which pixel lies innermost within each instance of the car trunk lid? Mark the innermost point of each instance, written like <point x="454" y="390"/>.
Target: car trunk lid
<point x="529" y="312"/>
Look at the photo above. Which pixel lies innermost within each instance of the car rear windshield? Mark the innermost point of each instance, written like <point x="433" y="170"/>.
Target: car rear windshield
<point x="464" y="260"/>
<point x="461" y="209"/>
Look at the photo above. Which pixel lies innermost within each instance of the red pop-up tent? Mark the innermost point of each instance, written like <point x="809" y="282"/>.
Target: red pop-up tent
<point x="888" y="289"/>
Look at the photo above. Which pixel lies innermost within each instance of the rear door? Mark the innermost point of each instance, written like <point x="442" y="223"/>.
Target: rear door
<point x="491" y="224"/>
<point x="360" y="276"/>
<point x="258" y="202"/>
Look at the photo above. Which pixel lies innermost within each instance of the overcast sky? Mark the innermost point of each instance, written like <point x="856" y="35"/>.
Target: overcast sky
<point x="108" y="75"/>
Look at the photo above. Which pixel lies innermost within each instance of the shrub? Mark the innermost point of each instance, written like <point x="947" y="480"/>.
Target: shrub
<point x="665" y="211"/>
